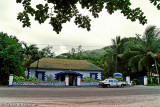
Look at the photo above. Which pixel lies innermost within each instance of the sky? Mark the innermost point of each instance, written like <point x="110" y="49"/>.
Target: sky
<point x="103" y="29"/>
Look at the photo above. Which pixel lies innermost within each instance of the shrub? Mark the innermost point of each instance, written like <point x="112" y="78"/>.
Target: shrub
<point x="91" y="80"/>
<point x="33" y="79"/>
<point x="152" y="80"/>
<point x="119" y="79"/>
<point x="21" y="78"/>
<point x="50" y="80"/>
<point x="18" y="78"/>
<point x="135" y="81"/>
<point x="153" y="85"/>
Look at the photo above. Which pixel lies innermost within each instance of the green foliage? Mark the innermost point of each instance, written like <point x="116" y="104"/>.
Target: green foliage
<point x="61" y="11"/>
<point x="153" y="85"/>
<point x="152" y="80"/>
<point x="18" y="78"/>
<point x="141" y="52"/>
<point x="49" y="80"/>
<point x="21" y="78"/>
<point x="47" y="52"/>
<point x="135" y="81"/>
<point x="11" y="57"/>
<point x="156" y="3"/>
<point x="33" y="79"/>
<point x="111" y="62"/>
<point x="32" y="54"/>
<point x="93" y="56"/>
<point x="119" y="79"/>
<point x="90" y="80"/>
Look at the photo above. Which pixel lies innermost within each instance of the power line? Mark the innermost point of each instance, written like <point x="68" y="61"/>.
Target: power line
<point x="66" y="45"/>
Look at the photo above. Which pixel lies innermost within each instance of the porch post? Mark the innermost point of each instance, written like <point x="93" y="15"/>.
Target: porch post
<point x="11" y="79"/>
<point x="78" y="81"/>
<point x="145" y="80"/>
<point x="67" y="80"/>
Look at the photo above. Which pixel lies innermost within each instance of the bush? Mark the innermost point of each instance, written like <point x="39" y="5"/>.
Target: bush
<point x="50" y="80"/>
<point x="33" y="79"/>
<point x="18" y="78"/>
<point x="152" y="80"/>
<point x="91" y="80"/>
<point x="135" y="81"/>
<point x="153" y="85"/>
<point x="21" y="78"/>
<point x="119" y="79"/>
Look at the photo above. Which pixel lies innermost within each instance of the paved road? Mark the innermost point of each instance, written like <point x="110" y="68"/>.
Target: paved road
<point x="76" y="92"/>
<point x="139" y="96"/>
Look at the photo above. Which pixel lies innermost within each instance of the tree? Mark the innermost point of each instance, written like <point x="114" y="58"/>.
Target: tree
<point x="61" y="11"/>
<point x="75" y="53"/>
<point x="142" y="52"/>
<point x="31" y="54"/>
<point x="116" y="49"/>
<point x="11" y="57"/>
<point x="46" y="52"/>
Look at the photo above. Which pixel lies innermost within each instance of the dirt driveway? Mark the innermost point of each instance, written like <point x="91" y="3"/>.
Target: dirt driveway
<point x="137" y="96"/>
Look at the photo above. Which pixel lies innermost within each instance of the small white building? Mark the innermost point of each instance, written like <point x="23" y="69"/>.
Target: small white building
<point x="56" y="69"/>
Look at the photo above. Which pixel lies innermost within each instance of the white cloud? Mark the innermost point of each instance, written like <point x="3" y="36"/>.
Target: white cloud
<point x="103" y="29"/>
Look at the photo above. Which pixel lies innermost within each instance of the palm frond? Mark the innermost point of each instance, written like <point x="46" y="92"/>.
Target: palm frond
<point x="134" y="59"/>
<point x="152" y="54"/>
<point x="127" y="54"/>
<point x="142" y="63"/>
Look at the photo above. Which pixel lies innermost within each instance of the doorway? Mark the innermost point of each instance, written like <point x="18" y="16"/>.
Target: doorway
<point x="72" y="78"/>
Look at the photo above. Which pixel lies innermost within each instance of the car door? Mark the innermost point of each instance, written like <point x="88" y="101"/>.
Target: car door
<point x="115" y="83"/>
<point x="111" y="82"/>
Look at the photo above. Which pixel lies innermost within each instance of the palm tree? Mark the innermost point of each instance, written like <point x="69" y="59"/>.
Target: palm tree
<point x="31" y="54"/>
<point x="110" y="59"/>
<point x="141" y="51"/>
<point x="115" y="48"/>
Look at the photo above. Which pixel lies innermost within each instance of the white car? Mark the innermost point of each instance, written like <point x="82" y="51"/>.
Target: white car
<point x="111" y="83"/>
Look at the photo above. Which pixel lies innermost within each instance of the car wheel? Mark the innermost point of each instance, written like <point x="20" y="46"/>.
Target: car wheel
<point x="108" y="86"/>
<point x="122" y="85"/>
<point x="103" y="86"/>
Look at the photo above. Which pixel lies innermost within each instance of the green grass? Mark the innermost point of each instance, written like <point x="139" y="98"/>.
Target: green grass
<point x="153" y="85"/>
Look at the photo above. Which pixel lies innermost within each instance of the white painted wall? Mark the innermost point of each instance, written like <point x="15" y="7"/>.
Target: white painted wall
<point x="51" y="73"/>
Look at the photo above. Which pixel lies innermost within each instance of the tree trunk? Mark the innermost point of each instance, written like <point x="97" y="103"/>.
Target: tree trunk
<point x="157" y="70"/>
<point x="116" y="64"/>
<point x="148" y="71"/>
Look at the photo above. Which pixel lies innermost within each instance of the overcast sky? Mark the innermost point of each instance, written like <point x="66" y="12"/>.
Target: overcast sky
<point x="103" y="29"/>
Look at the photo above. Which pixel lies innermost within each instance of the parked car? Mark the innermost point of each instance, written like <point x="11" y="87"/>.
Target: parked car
<point x="112" y="83"/>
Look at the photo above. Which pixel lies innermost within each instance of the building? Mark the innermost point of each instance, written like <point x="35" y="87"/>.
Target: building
<point x="57" y="69"/>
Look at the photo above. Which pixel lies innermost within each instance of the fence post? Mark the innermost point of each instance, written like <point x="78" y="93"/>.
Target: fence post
<point x="10" y="79"/>
<point x="67" y="80"/>
<point x="128" y="79"/>
<point x="78" y="81"/>
<point x="145" y="80"/>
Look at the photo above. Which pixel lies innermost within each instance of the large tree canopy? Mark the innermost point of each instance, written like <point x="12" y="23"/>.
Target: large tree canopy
<point x="11" y="57"/>
<point x="61" y="11"/>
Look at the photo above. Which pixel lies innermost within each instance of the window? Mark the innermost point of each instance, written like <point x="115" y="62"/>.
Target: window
<point x="115" y="80"/>
<point x="93" y="75"/>
<point x="40" y="76"/>
<point x="110" y="80"/>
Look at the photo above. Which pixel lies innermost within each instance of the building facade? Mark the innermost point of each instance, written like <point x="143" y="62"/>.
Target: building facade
<point x="57" y="69"/>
